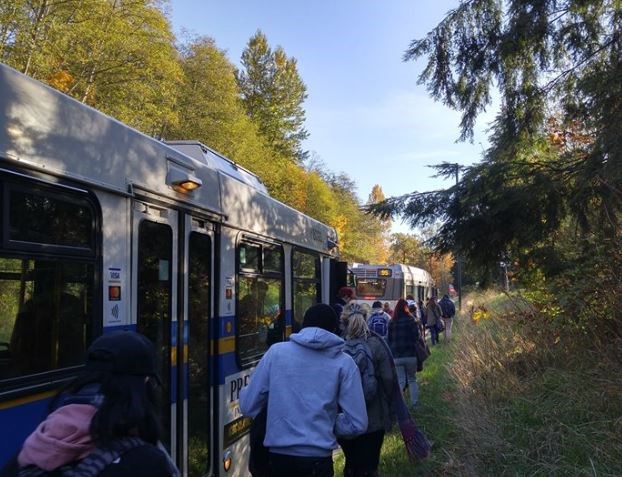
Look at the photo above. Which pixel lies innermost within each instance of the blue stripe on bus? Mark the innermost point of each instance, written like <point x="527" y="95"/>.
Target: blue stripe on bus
<point x="17" y="423"/>
<point x="288" y="317"/>
<point x="226" y="365"/>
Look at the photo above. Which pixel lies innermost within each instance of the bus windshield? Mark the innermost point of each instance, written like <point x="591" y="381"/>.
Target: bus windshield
<point x="366" y="287"/>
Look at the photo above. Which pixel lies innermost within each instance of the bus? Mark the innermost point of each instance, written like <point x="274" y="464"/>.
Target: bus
<point x="104" y="228"/>
<point x="389" y="283"/>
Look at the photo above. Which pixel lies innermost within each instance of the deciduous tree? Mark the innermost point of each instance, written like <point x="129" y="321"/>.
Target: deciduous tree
<point x="273" y="94"/>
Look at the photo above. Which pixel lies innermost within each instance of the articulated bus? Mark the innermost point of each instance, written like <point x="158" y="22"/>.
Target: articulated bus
<point x="103" y="228"/>
<point x="389" y="283"/>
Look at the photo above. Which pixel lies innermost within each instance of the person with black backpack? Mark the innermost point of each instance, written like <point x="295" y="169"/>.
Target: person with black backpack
<point x="449" y="310"/>
<point x="104" y="422"/>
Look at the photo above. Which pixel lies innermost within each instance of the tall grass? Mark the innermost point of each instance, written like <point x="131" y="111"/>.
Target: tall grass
<point x="516" y="394"/>
<point x="532" y="400"/>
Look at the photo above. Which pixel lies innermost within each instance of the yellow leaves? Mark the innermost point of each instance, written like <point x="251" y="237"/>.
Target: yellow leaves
<point x="480" y="313"/>
<point x="61" y="80"/>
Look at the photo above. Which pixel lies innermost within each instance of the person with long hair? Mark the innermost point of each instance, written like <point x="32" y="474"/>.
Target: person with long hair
<point x="403" y="335"/>
<point x="104" y="422"/>
<point x="362" y="453"/>
<point x="434" y="314"/>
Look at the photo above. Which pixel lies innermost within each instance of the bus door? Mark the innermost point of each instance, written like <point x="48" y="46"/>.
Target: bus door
<point x="173" y="259"/>
<point x="154" y="285"/>
<point x="198" y="299"/>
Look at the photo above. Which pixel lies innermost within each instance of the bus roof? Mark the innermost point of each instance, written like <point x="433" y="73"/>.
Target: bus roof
<point x="46" y="130"/>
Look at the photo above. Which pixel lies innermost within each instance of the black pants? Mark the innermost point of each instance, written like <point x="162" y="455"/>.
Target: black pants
<point x="362" y="453"/>
<point x="293" y="466"/>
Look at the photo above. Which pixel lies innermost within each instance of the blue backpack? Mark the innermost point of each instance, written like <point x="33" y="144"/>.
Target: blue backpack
<point x="379" y="324"/>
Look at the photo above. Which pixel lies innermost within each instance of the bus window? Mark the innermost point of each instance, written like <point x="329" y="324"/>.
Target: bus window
<point x="306" y="285"/>
<point x="260" y="318"/>
<point x="44" y="311"/>
<point x="366" y="287"/>
<point x="47" y="269"/>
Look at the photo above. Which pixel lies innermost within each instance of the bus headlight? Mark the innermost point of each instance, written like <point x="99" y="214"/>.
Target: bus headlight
<point x="226" y="460"/>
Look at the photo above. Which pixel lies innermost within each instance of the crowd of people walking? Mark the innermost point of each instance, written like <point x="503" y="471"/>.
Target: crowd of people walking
<point x="352" y="357"/>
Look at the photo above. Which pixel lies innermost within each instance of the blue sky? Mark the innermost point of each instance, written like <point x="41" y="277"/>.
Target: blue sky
<point x="365" y="113"/>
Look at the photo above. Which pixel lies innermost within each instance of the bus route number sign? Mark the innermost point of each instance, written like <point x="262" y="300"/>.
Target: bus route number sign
<point x="385" y="272"/>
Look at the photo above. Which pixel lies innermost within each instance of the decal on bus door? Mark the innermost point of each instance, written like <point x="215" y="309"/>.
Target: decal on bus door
<point x="115" y="296"/>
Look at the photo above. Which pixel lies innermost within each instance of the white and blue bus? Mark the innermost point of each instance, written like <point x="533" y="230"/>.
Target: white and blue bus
<point x="389" y="283"/>
<point x="103" y="228"/>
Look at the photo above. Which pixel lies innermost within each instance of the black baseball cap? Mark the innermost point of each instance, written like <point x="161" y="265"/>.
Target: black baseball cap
<point x="322" y="316"/>
<point x="123" y="352"/>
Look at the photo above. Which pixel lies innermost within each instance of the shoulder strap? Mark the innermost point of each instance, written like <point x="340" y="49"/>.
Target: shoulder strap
<point x="102" y="457"/>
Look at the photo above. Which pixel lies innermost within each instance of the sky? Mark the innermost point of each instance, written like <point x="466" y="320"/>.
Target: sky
<point x="365" y="113"/>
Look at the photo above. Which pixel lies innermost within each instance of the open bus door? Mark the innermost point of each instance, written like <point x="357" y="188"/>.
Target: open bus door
<point x="351" y="279"/>
<point x="338" y="277"/>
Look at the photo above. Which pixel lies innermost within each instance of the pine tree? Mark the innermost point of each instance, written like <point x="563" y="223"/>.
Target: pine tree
<point x="557" y="66"/>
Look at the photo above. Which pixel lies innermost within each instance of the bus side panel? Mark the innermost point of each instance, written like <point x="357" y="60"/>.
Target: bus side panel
<point x="116" y="226"/>
<point x="18" y="421"/>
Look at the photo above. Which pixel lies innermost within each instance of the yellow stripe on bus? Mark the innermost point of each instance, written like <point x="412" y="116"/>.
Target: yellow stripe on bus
<point x="226" y="345"/>
<point x="26" y="399"/>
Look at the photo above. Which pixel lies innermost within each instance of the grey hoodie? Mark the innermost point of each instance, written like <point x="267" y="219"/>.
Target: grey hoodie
<point x="312" y="391"/>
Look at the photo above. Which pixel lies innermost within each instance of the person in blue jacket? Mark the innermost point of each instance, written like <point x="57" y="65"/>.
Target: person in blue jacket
<point x="312" y="391"/>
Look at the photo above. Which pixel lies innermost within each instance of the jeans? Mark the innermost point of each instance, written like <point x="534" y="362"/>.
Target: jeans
<point x="448" y="322"/>
<point x="407" y="376"/>
<point x="290" y="465"/>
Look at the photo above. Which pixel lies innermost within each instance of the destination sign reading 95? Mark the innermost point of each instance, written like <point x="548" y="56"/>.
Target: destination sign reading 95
<point x="385" y="272"/>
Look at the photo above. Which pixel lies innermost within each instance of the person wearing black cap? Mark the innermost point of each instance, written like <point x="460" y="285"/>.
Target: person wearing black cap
<point x="312" y="392"/>
<point x="104" y="422"/>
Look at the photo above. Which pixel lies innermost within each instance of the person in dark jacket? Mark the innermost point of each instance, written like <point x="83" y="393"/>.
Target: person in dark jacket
<point x="449" y="310"/>
<point x="403" y="334"/>
<point x="362" y="453"/>
<point x="104" y="422"/>
<point x="434" y="314"/>
<point x="344" y="296"/>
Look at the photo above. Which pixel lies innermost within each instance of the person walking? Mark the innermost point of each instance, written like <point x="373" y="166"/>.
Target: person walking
<point x="104" y="422"/>
<point x="424" y="316"/>
<point x="378" y="320"/>
<point x="433" y="313"/>
<point x="344" y="296"/>
<point x="403" y="334"/>
<point x="312" y="393"/>
<point x="449" y="310"/>
<point x="362" y="453"/>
